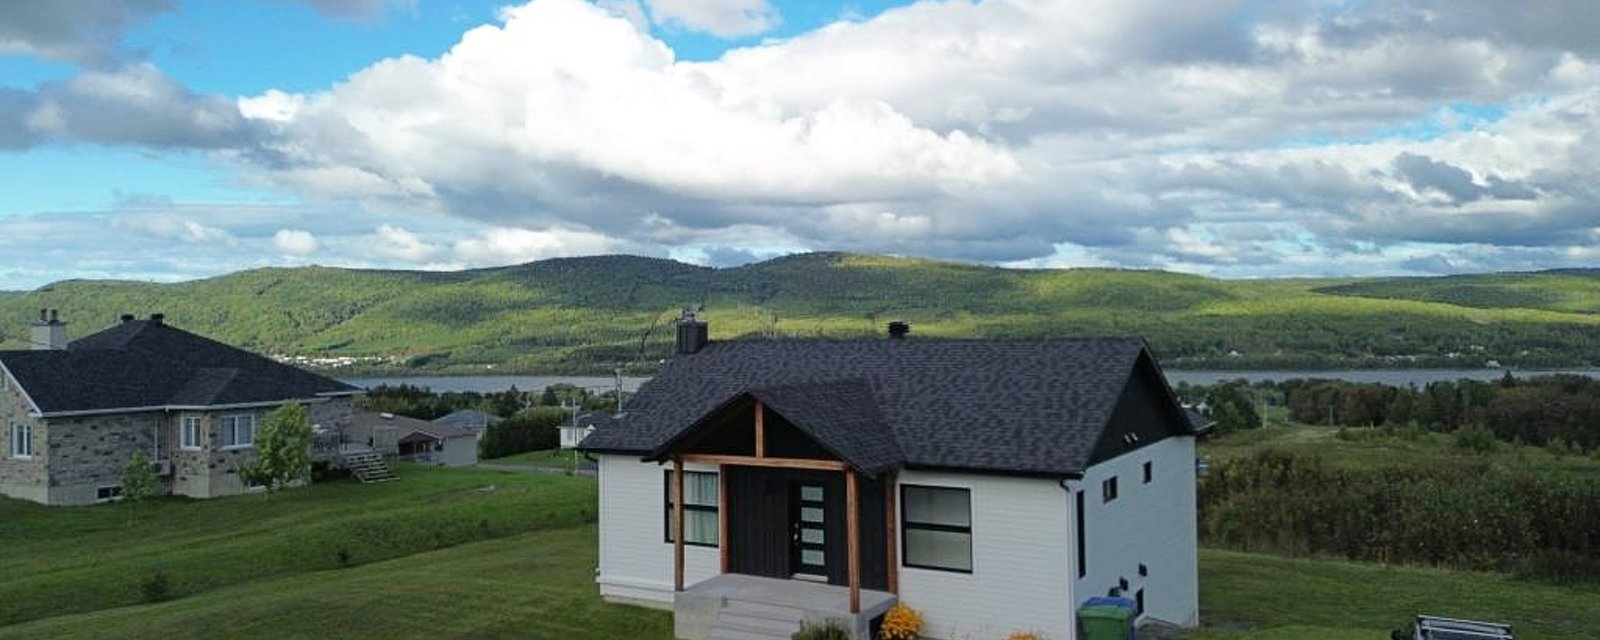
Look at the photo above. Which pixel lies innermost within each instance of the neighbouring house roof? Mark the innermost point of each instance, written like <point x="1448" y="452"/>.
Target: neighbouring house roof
<point x="147" y="364"/>
<point x="1015" y="406"/>
<point x="469" y="419"/>
<point x="407" y="429"/>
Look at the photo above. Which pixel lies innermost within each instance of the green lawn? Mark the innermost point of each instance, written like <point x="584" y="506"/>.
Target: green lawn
<point x="1292" y="599"/>
<point x="546" y="459"/>
<point x="64" y="560"/>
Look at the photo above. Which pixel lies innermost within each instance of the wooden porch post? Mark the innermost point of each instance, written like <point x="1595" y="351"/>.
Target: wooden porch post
<point x="761" y="431"/>
<point x="722" y="515"/>
<point x="890" y="521"/>
<point x="677" y="527"/>
<point x="853" y="527"/>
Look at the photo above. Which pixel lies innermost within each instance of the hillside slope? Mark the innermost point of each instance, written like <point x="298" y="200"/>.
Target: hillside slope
<point x="594" y="314"/>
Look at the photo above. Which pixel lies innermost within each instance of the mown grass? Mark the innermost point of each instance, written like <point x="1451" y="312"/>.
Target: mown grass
<point x="537" y="585"/>
<point x="1256" y="597"/>
<point x="546" y="459"/>
<point x="57" y="561"/>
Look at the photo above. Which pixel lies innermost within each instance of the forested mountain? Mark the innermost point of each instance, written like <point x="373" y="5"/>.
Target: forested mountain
<point x="598" y="313"/>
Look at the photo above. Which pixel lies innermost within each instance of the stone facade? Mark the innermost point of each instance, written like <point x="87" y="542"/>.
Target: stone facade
<point x="26" y="479"/>
<point x="75" y="458"/>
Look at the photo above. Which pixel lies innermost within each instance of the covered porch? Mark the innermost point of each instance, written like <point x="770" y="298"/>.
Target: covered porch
<point x="805" y="513"/>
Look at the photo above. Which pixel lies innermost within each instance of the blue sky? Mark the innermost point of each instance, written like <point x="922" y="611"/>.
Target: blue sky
<point x="172" y="139"/>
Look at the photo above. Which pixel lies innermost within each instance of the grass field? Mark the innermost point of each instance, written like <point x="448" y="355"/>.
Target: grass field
<point x="547" y="459"/>
<point x="1375" y="448"/>
<point x="58" y="561"/>
<point x="463" y="553"/>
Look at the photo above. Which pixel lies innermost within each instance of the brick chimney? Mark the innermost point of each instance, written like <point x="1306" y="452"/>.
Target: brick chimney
<point x="693" y="334"/>
<point x="49" y="332"/>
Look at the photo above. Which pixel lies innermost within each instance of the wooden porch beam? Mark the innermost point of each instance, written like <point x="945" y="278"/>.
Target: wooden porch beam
<point x="761" y="430"/>
<point x="752" y="461"/>
<point x="853" y="533"/>
<point x="722" y="515"/>
<point x="677" y="527"/>
<point x="890" y="520"/>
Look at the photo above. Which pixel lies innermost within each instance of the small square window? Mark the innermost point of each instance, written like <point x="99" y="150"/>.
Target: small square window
<point x="1108" y="489"/>
<point x="1149" y="472"/>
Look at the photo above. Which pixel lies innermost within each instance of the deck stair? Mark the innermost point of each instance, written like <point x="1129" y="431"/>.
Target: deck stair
<point x="368" y="466"/>
<point x="746" y="620"/>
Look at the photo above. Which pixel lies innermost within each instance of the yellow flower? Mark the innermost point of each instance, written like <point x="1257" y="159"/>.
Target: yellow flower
<point x="1023" y="635"/>
<point x="901" y="623"/>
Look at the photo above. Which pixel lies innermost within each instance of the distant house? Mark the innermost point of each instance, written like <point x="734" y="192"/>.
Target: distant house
<point x="478" y="422"/>
<point x="418" y="440"/>
<point x="74" y="414"/>
<point x="993" y="485"/>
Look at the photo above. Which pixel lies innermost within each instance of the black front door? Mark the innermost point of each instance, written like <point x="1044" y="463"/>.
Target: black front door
<point x="808" y="530"/>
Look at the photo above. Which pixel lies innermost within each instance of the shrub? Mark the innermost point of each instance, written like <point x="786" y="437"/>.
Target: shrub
<point x="156" y="588"/>
<point x="1023" y="635"/>
<point x="1476" y="439"/>
<point x="901" y="623"/>
<point x="829" y="630"/>
<point x="534" y="430"/>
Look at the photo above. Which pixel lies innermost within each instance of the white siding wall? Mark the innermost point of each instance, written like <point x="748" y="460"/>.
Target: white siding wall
<point x="635" y="559"/>
<point x="459" y="451"/>
<point x="1021" y="568"/>
<point x="1153" y="524"/>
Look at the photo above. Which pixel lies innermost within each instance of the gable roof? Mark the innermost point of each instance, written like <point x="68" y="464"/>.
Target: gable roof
<point x="407" y="428"/>
<point x="1013" y="406"/>
<point x="146" y="365"/>
<point x="468" y="419"/>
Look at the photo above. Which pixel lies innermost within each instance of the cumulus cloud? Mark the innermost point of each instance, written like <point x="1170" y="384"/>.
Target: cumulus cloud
<point x="392" y="241"/>
<point x="295" y="241"/>
<point x="82" y="31"/>
<point x="509" y="246"/>
<point x="723" y="18"/>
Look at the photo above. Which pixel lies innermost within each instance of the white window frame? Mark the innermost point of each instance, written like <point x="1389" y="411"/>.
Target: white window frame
<point x="185" y="441"/>
<point x="230" y="431"/>
<point x="909" y="524"/>
<point x="21" y="441"/>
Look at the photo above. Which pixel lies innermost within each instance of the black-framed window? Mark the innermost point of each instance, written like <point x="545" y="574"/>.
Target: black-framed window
<point x="1108" y="489"/>
<point x="1149" y="472"/>
<point x="700" y="524"/>
<point x="936" y="528"/>
<point x="1083" y="547"/>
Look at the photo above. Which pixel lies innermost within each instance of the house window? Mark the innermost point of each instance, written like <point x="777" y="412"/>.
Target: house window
<point x="1108" y="490"/>
<point x="1149" y="472"/>
<point x="238" y="431"/>
<point x="190" y="428"/>
<point x="700" y="524"/>
<point x="1083" y="549"/>
<point x="107" y="494"/>
<point x="21" y="440"/>
<point x="936" y="523"/>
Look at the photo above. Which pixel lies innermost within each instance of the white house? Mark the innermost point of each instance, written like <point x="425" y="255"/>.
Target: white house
<point x="992" y="485"/>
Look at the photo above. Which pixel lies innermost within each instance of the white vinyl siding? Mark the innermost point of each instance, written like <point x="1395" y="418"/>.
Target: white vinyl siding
<point x="1020" y="566"/>
<point x="189" y="428"/>
<point x="634" y="561"/>
<point x="21" y="440"/>
<point x="238" y="431"/>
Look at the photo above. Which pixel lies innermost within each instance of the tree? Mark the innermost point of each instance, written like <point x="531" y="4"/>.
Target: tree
<point x="139" y="481"/>
<point x="283" y="449"/>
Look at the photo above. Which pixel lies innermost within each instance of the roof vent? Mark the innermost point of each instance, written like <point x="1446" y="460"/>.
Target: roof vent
<point x="158" y="318"/>
<point x="386" y="416"/>
<point x="898" y="329"/>
<point x="127" y="317"/>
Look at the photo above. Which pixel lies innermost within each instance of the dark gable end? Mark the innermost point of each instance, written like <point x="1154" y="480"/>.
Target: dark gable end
<point x="1146" y="413"/>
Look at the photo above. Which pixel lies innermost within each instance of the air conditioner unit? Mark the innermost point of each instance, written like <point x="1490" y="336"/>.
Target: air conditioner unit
<point x="162" y="467"/>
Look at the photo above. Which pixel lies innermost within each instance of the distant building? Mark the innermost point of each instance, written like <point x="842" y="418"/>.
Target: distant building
<point x="74" y="414"/>
<point x="418" y="440"/>
<point x="478" y="422"/>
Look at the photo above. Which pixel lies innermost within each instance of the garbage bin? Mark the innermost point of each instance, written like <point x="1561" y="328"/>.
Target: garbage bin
<point x="1107" y="619"/>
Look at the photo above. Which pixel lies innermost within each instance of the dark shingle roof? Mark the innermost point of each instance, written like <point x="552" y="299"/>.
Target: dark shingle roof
<point x="1023" y="406"/>
<point x="468" y="419"/>
<point x="142" y="364"/>
<point x="407" y="428"/>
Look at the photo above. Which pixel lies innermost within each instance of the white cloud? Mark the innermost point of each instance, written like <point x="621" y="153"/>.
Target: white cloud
<point x="502" y="246"/>
<point x="723" y="18"/>
<point x="295" y="241"/>
<point x="391" y="241"/>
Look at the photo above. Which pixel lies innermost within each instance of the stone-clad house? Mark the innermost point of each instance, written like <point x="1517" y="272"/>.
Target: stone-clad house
<point x="72" y="415"/>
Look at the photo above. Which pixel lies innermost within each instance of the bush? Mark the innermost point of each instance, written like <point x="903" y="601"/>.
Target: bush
<point x="536" y="429"/>
<point x="1477" y="440"/>
<point x="830" y="630"/>
<point x="156" y="588"/>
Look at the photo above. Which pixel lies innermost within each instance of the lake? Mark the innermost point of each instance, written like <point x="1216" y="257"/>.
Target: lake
<point x="1397" y="377"/>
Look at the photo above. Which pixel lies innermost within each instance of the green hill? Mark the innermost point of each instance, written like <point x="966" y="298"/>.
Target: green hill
<point x="594" y="314"/>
